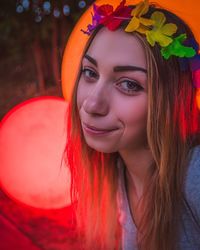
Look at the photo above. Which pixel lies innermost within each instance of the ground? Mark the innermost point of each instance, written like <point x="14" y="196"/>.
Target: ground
<point x="26" y="228"/>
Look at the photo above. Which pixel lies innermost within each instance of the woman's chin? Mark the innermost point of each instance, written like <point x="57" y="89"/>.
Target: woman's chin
<point x="102" y="148"/>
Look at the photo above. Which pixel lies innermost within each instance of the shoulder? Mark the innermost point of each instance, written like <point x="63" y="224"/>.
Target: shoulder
<point x="193" y="169"/>
<point x="192" y="180"/>
<point x="194" y="159"/>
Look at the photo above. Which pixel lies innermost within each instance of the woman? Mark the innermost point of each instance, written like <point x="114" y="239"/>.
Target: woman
<point x="134" y="132"/>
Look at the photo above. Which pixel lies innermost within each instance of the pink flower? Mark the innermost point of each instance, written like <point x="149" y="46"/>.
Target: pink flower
<point x="112" y="19"/>
<point x="107" y="16"/>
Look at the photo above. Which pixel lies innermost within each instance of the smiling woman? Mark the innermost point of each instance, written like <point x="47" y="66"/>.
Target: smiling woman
<point x="134" y="132"/>
<point x="110" y="68"/>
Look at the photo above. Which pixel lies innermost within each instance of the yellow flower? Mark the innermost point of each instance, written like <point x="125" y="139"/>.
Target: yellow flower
<point x="161" y="32"/>
<point x="137" y="22"/>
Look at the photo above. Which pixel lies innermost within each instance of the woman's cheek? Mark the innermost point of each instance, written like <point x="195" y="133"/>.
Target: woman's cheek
<point x="79" y="95"/>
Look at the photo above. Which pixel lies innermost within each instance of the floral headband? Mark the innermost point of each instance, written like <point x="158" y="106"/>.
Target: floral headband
<point x="154" y="28"/>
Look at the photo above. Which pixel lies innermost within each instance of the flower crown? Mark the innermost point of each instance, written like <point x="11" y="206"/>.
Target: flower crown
<point x="154" y="28"/>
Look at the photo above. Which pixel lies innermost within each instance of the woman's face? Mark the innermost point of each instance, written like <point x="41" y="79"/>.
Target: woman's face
<point x="112" y="93"/>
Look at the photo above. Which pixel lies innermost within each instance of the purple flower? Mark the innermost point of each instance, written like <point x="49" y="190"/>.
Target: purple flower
<point x="96" y="18"/>
<point x="107" y="16"/>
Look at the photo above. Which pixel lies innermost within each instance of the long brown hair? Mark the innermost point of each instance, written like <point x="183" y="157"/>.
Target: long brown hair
<point x="173" y="128"/>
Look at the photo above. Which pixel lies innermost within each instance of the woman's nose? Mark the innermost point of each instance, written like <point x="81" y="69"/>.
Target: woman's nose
<point x="97" y="101"/>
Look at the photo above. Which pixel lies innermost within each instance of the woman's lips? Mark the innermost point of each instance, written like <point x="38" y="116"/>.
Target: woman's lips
<point x="94" y="130"/>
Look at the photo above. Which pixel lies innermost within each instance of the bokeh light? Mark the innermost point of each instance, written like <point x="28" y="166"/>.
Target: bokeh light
<point x="32" y="141"/>
<point x="82" y="4"/>
<point x="47" y="7"/>
<point x="66" y="9"/>
<point x="38" y="18"/>
<point x="26" y="4"/>
<point x="56" y="12"/>
<point x="19" y="8"/>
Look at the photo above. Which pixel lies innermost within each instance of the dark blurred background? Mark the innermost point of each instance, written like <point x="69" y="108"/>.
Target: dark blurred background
<point x="33" y="34"/>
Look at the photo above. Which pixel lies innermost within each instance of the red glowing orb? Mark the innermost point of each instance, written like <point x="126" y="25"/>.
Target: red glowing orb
<point x="32" y="141"/>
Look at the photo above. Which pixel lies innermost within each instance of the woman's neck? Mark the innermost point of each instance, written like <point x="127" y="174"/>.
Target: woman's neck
<point x="138" y="167"/>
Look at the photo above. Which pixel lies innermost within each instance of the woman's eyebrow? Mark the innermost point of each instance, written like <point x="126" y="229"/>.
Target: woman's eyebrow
<point x="117" y="68"/>
<point x="92" y="60"/>
<point x="129" y="68"/>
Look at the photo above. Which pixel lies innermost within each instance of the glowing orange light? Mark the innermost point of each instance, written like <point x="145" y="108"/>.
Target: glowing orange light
<point x="198" y="97"/>
<point x="32" y="140"/>
<point x="188" y="10"/>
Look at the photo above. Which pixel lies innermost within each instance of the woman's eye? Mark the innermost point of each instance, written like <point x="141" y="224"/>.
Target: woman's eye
<point x="89" y="73"/>
<point x="129" y="86"/>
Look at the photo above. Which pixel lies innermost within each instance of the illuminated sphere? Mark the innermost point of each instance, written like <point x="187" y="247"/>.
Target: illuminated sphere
<point x="32" y="140"/>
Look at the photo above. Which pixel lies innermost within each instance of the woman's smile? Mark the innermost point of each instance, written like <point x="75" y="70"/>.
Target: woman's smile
<point x="97" y="131"/>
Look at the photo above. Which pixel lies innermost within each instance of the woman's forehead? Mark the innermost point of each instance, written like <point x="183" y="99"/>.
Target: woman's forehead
<point x="118" y="46"/>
